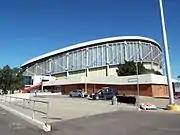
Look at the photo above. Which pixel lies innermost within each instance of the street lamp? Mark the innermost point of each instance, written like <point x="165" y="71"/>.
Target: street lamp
<point x="137" y="75"/>
<point x="166" y="53"/>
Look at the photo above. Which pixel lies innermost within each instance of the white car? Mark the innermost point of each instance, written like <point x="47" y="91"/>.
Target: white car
<point x="77" y="93"/>
<point x="148" y="107"/>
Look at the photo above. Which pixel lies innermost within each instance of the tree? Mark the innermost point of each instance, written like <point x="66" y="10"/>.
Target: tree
<point x="6" y="78"/>
<point x="10" y="79"/>
<point x="0" y="78"/>
<point x="129" y="68"/>
<point x="16" y="80"/>
<point x="178" y="76"/>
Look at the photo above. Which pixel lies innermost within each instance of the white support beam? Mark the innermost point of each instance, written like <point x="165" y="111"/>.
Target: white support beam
<point x="107" y="59"/>
<point x="147" y="55"/>
<point x="125" y="50"/>
<point x="67" y="64"/>
<point x="141" y="52"/>
<point x="152" y="63"/>
<point x="133" y="56"/>
<point x="27" y="70"/>
<point x="46" y="71"/>
<point x="58" y="64"/>
<point x="157" y="56"/>
<point x="139" y="55"/>
<point x="93" y="59"/>
<point x="87" y="61"/>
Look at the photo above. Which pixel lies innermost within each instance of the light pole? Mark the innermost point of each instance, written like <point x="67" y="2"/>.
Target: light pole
<point x="137" y="75"/>
<point x="166" y="53"/>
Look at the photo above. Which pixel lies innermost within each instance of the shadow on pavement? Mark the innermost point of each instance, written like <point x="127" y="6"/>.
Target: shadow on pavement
<point x="122" y="123"/>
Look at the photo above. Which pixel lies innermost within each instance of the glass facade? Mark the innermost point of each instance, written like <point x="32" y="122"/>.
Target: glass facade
<point x="27" y="80"/>
<point x="98" y="55"/>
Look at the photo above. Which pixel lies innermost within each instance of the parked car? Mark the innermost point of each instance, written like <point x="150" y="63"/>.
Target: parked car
<point x="105" y="93"/>
<point x="77" y="93"/>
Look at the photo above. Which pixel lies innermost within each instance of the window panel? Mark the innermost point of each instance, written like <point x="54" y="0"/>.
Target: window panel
<point x="104" y="55"/>
<point x="121" y="50"/>
<point x="97" y="57"/>
<point x="84" y="59"/>
<point x="115" y="54"/>
<point x="128" y="52"/>
<point x="70" y="61"/>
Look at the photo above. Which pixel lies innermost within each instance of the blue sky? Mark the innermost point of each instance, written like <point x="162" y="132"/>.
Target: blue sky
<point x="29" y="28"/>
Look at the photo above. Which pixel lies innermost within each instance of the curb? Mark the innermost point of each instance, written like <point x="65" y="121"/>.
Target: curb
<point x="173" y="107"/>
<point x="39" y="124"/>
<point x="159" y="111"/>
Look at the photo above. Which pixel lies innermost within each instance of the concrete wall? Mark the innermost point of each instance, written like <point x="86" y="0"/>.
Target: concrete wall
<point x="38" y="79"/>
<point x="60" y="76"/>
<point x="97" y="72"/>
<point x="114" y="80"/>
<point x="112" y="71"/>
<point x="153" y="66"/>
<point x="159" y="90"/>
<point x="77" y="73"/>
<point x="145" y="89"/>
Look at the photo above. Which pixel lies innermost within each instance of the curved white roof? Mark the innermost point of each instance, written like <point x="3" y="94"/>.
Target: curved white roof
<point x="87" y="44"/>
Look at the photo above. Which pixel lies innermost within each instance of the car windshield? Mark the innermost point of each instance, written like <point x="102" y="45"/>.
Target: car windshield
<point x="99" y="91"/>
<point x="74" y="91"/>
<point x="80" y="91"/>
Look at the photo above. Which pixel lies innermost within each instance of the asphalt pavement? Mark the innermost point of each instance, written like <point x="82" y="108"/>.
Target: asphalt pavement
<point x="121" y="123"/>
<point x="115" y="123"/>
<point x="12" y="125"/>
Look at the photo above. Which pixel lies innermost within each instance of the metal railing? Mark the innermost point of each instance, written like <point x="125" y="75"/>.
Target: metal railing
<point x="13" y="100"/>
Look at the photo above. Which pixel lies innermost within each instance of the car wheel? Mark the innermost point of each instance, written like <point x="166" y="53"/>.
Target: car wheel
<point x="97" y="98"/>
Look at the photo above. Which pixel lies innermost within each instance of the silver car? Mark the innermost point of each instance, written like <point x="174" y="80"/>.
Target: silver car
<point x="76" y="93"/>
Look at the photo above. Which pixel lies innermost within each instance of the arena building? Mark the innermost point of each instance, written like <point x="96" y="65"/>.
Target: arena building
<point x="92" y="65"/>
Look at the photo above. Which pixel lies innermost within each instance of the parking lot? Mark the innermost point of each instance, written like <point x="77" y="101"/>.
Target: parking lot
<point x="63" y="108"/>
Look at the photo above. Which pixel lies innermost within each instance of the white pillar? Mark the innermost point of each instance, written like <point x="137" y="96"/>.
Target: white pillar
<point x="87" y="62"/>
<point x="107" y="60"/>
<point x="67" y="64"/>
<point x="125" y="51"/>
<point x="166" y="53"/>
